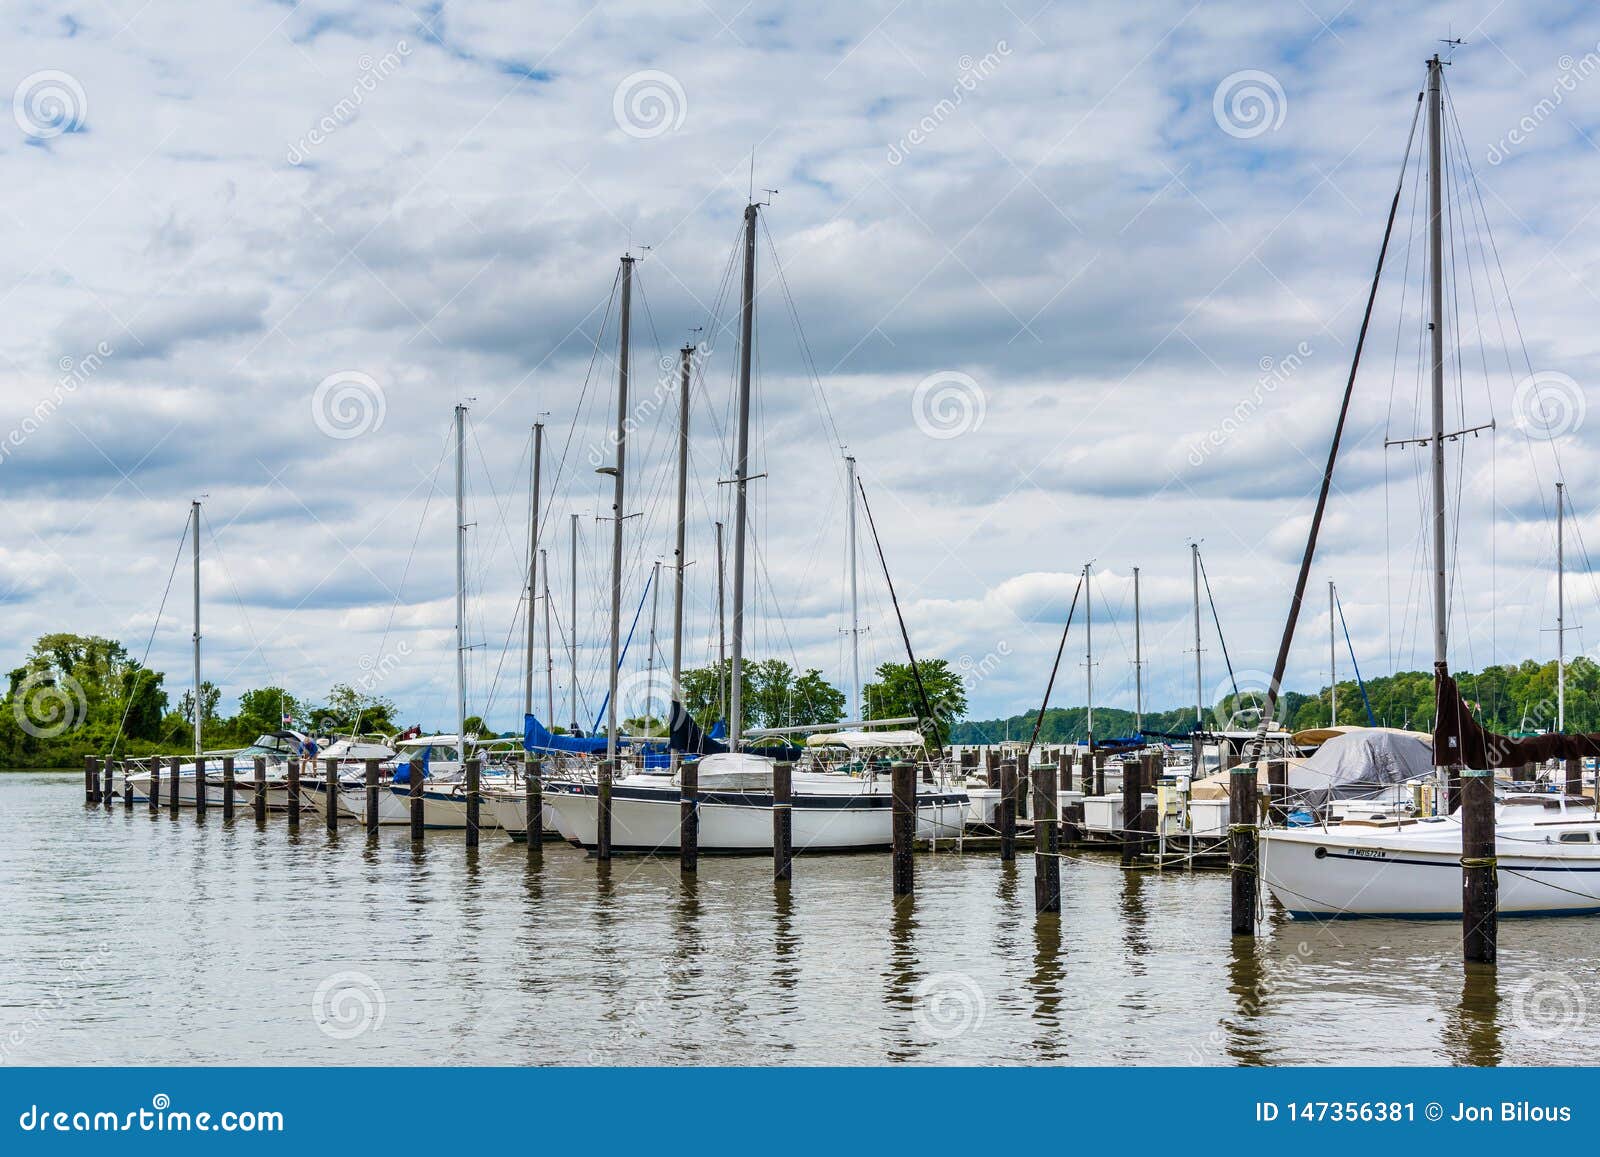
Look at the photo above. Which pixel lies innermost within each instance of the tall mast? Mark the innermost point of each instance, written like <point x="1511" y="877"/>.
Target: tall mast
<point x="722" y="629"/>
<point x="686" y="355"/>
<point x="617" y="508"/>
<point x="549" y="655"/>
<point x="650" y="654"/>
<point x="1561" y="608"/>
<point x="1333" y="663"/>
<point x="1441" y="624"/>
<point x="461" y="581"/>
<point x="1199" y="678"/>
<point x="199" y="707"/>
<point x="533" y="570"/>
<point x="855" y="612"/>
<point x="1088" y="651"/>
<point x="1138" y="661"/>
<point x="572" y="643"/>
<point x="741" y="472"/>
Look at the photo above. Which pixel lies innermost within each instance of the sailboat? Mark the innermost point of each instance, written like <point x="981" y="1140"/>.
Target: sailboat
<point x="1525" y="853"/>
<point x="830" y="811"/>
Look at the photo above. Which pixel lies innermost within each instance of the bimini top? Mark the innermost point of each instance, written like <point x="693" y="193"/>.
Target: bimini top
<point x="866" y="740"/>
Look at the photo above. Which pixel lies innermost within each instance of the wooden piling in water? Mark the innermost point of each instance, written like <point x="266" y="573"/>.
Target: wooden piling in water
<point x="1046" y="841"/>
<point x="330" y="784"/>
<point x="474" y="802"/>
<point x="91" y="779"/>
<point x="1132" y="805"/>
<point x="172" y="785"/>
<point x="414" y="770"/>
<point x="371" y="778"/>
<point x="261" y="788"/>
<point x="991" y="767"/>
<point x="1242" y="805"/>
<point x="533" y="821"/>
<point x="1480" y="886"/>
<point x="200" y="787"/>
<point x="783" y="820"/>
<point x="227" y="787"/>
<point x="689" y="816"/>
<point x="1024" y="787"/>
<point x="108" y="794"/>
<point x="1099" y="773"/>
<point x="903" y="826"/>
<point x="294" y="793"/>
<point x="155" y="784"/>
<point x="602" y="817"/>
<point x="1008" y="811"/>
<point x="1574" y="769"/>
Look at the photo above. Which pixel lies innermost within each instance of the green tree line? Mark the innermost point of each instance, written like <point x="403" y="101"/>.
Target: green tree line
<point x="80" y="695"/>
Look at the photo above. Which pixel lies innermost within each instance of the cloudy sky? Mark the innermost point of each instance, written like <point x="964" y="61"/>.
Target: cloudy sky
<point x="1074" y="283"/>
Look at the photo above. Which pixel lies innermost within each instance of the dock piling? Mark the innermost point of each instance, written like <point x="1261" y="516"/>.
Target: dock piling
<point x="414" y="771"/>
<point x="1243" y="809"/>
<point x="1008" y="811"/>
<point x="330" y="783"/>
<point x="155" y="785"/>
<point x="200" y="791"/>
<point x="1132" y="806"/>
<point x="260" y="802"/>
<point x="689" y="817"/>
<point x="294" y="794"/>
<point x="1480" y="886"/>
<point x="534" y="819"/>
<point x="602" y="818"/>
<point x="1574" y="769"/>
<point x="371" y="778"/>
<point x="474" y="802"/>
<point x="108" y="794"/>
<point x="1046" y="841"/>
<point x="227" y="787"/>
<point x="172" y="785"/>
<point x="783" y="820"/>
<point x="91" y="779"/>
<point x="904" y="825"/>
<point x="1277" y="791"/>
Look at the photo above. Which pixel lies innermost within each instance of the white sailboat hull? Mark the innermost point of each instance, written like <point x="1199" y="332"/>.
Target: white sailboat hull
<point x="1324" y="874"/>
<point x="647" y="819"/>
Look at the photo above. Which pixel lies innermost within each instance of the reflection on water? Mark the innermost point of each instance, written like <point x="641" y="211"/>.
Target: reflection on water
<point x="149" y="937"/>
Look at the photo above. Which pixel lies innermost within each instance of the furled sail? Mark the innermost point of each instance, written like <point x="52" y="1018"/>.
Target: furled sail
<point x="687" y="737"/>
<point x="1458" y="738"/>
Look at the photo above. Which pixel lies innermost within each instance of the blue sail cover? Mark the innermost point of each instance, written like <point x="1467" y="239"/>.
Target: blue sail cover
<point x="537" y="737"/>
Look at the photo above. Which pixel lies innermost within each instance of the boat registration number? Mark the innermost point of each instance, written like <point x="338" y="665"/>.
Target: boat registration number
<point x="1368" y="854"/>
